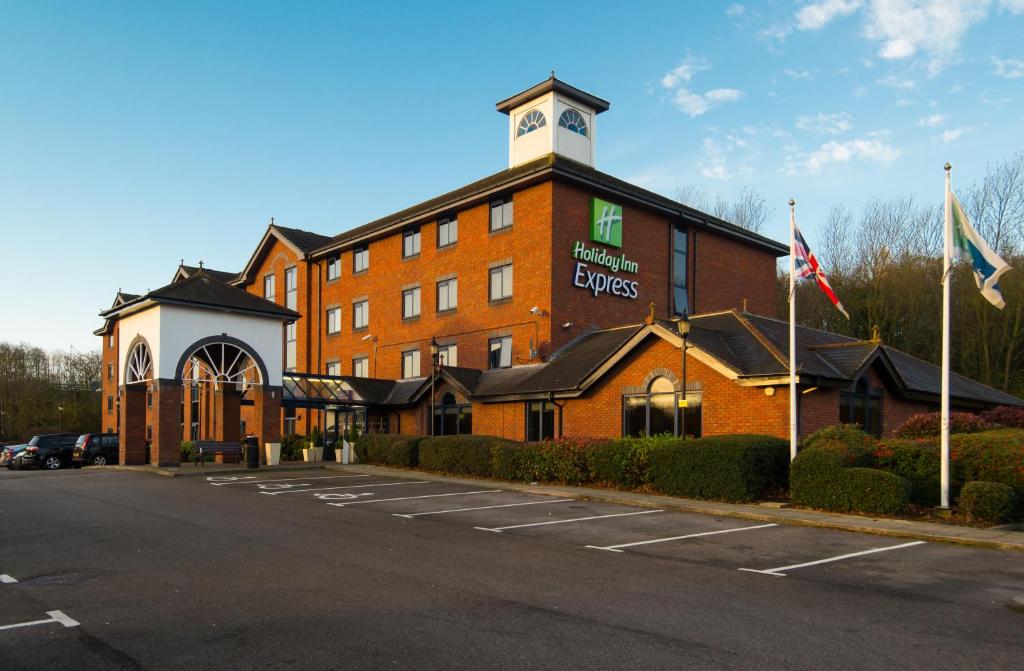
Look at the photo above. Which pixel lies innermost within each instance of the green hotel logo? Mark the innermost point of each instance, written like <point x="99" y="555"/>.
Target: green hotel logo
<point x="606" y="222"/>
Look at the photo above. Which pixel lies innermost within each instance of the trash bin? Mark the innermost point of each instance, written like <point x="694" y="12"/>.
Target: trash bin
<point x="252" y="451"/>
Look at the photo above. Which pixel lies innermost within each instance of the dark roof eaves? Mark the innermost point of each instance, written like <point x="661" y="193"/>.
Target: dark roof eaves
<point x="552" y="84"/>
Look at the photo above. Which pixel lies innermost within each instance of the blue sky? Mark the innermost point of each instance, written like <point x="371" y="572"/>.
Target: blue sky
<point x="136" y="134"/>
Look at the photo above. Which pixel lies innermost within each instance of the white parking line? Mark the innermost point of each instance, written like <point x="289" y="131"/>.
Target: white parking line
<point x="55" y="616"/>
<point x="462" y="510"/>
<point x="324" y="489"/>
<point x="253" y="482"/>
<point x="619" y="547"/>
<point x="6" y="579"/>
<point x="406" y="498"/>
<point x="574" y="519"/>
<point x="777" y="571"/>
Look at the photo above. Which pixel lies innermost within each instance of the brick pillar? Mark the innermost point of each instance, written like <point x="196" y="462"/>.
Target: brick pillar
<point x="266" y="416"/>
<point x="133" y="424"/>
<point x="166" y="445"/>
<point x="227" y="405"/>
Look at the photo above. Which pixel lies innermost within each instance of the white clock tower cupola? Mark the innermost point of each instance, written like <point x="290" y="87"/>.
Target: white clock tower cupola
<point x="552" y="117"/>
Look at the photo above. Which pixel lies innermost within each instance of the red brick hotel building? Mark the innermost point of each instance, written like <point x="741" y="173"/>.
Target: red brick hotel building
<point x="536" y="302"/>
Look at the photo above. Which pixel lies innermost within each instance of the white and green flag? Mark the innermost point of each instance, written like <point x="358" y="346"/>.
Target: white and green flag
<point x="970" y="246"/>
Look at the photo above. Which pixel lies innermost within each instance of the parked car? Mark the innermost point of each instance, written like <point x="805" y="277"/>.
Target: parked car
<point x="7" y="454"/>
<point x="50" y="451"/>
<point x="96" y="449"/>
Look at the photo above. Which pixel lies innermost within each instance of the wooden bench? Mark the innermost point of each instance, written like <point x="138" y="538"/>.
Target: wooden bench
<point x="221" y="447"/>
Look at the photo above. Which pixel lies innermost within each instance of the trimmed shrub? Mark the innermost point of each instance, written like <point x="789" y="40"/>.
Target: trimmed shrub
<point x="728" y="468"/>
<point x="291" y="447"/>
<point x="388" y="449"/>
<point x="188" y="451"/>
<point x="991" y="502"/>
<point x="927" y="424"/>
<point x="820" y="479"/>
<point x="915" y="460"/>
<point x="623" y="463"/>
<point x="1005" y="415"/>
<point x="460" y="455"/>
<point x="855" y="447"/>
<point x="564" y="460"/>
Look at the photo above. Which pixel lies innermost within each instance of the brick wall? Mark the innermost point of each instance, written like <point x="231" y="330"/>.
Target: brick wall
<point x="111" y="371"/>
<point x="727" y="272"/>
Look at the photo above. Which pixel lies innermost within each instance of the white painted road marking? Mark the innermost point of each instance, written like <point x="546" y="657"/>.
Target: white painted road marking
<point x="237" y="481"/>
<point x="574" y="519"/>
<point x="55" y="616"/>
<point x="227" y="479"/>
<point x="341" y="497"/>
<point x="619" y="548"/>
<point x="406" y="498"/>
<point x="460" y="510"/>
<point x="4" y="578"/>
<point x="777" y="571"/>
<point x="323" y="489"/>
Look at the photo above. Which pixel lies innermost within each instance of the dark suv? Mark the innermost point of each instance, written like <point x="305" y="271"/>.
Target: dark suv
<point x="96" y="449"/>
<point x="50" y="451"/>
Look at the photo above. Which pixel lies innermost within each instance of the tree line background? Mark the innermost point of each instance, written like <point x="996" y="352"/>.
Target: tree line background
<point x="36" y="384"/>
<point x="885" y="264"/>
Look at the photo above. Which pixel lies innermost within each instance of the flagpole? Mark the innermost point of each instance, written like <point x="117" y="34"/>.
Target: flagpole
<point x="792" y="330"/>
<point x="947" y="244"/>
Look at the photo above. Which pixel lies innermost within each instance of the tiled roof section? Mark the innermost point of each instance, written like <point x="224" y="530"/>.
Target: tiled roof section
<point x="848" y="359"/>
<point x="923" y="377"/>
<point x="499" y="381"/>
<point x="203" y="290"/>
<point x="371" y="390"/>
<point x="307" y="241"/>
<point x="221" y="275"/>
<point x="468" y="378"/>
<point x="808" y="359"/>
<point x="570" y="368"/>
<point x="405" y="390"/>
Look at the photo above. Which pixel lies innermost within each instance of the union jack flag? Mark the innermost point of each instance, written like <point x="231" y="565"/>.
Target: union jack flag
<point x="807" y="267"/>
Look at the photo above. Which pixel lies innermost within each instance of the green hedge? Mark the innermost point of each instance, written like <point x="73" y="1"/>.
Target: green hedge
<point x="729" y="468"/>
<point x="916" y="461"/>
<point x="291" y="447"/>
<point x="991" y="502"/>
<point x="564" y="460"/>
<point x="848" y="441"/>
<point x="819" y="478"/>
<point x="388" y="449"/>
<point x="460" y="455"/>
<point x="624" y="463"/>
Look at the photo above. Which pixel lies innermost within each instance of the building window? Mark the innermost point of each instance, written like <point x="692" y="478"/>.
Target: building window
<point x="452" y="418"/>
<point x="447" y="232"/>
<point x="110" y="404"/>
<point x="680" y="299"/>
<point x="862" y="405"/>
<point x="448" y="355"/>
<point x="360" y="314"/>
<point x="361" y="367"/>
<point x="411" y="242"/>
<point x="334" y="320"/>
<point x="540" y="420"/>
<point x="110" y="341"/>
<point x="333" y="268"/>
<point x="501" y="282"/>
<point x="530" y="122"/>
<point x="290" y="343"/>
<point x="501" y="214"/>
<point x="268" y="287"/>
<point x="411" y="303"/>
<point x="573" y="121"/>
<point x="149" y="433"/>
<point x="110" y="371"/>
<point x="447" y="294"/>
<point x="289" y="421"/>
<point x="149" y="398"/>
<point x="360" y="259"/>
<point x="334" y="368"/>
<point x="291" y="288"/>
<point x="657" y="412"/>
<point x="499" y="352"/>
<point x="411" y="363"/>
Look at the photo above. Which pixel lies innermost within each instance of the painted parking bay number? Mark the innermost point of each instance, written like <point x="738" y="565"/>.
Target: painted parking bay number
<point x="339" y="497"/>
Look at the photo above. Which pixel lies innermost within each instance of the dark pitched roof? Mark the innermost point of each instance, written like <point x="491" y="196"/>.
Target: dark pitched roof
<point x="923" y="377"/>
<point x="188" y="271"/>
<point x="552" y="84"/>
<point x="306" y="241"/>
<point x="551" y="165"/>
<point x="406" y="390"/>
<point x="204" y="290"/>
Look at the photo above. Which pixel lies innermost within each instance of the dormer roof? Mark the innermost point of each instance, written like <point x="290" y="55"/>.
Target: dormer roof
<point x="552" y="84"/>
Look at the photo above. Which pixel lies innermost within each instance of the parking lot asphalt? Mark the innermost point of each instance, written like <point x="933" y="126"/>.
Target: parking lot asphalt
<point x="331" y="569"/>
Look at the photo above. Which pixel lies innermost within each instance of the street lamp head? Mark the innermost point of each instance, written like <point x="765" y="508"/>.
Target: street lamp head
<point x="434" y="348"/>
<point x="683" y="325"/>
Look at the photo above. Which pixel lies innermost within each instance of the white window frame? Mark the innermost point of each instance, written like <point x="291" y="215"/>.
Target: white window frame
<point x="290" y="346"/>
<point x="410" y="363"/>
<point x="449" y="290"/>
<point x="411" y="303"/>
<point x="504" y="282"/>
<point x="333" y="268"/>
<point x="411" y="243"/>
<point x="269" y="282"/>
<point x="361" y="309"/>
<point x="361" y="366"/>
<point x="333" y="320"/>
<point x="360" y="259"/>
<point x="502" y="214"/>
<point x="334" y="368"/>
<point x="447" y="232"/>
<point x="505" y="358"/>
<point x="448" y="355"/>
<point x="291" y="288"/>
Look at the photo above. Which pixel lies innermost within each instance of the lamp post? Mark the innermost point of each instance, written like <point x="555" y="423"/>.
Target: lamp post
<point x="435" y="353"/>
<point x="60" y="411"/>
<point x="683" y="326"/>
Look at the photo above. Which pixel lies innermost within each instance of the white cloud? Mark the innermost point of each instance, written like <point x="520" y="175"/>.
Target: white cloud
<point x="776" y="31"/>
<point x="931" y="121"/>
<point x="952" y="134"/>
<point x="896" y="82"/>
<point x="684" y="72"/>
<point x="825" y="124"/>
<point x="735" y="10"/>
<point x="1012" y="6"/>
<point x="868" y="150"/>
<point x="817" y="14"/>
<point x="696" y="104"/>
<point x="798" y="74"/>
<point x="935" y="27"/>
<point x="860" y="91"/>
<point x="718" y="160"/>
<point x="1009" y="68"/>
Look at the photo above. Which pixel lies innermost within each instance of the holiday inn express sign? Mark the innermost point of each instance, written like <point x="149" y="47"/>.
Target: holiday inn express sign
<point x="605" y="229"/>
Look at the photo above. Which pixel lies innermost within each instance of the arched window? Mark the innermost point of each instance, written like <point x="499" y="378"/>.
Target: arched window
<point x="139" y="367"/>
<point x="657" y="412"/>
<point x="530" y="122"/>
<point x="862" y="405"/>
<point x="451" y="417"/>
<point x="574" y="121"/>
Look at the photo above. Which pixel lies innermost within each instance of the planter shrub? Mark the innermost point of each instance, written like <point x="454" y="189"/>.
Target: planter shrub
<point x="728" y="468"/>
<point x="991" y="502"/>
<point x="564" y="460"/>
<point x="819" y="478"/>
<point x="291" y="447"/>
<point x="1005" y="415"/>
<point x="927" y="424"/>
<point x="188" y="451"/>
<point x="623" y="463"/>
<point x="388" y="449"/>
<point x="460" y="455"/>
